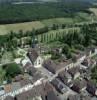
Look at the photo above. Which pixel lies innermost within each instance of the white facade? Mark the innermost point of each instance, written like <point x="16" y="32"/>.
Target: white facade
<point x="38" y="62"/>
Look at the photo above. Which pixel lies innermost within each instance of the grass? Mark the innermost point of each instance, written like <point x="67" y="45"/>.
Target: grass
<point x="27" y="26"/>
<point x="94" y="10"/>
<point x="50" y="22"/>
<point x="7" y="57"/>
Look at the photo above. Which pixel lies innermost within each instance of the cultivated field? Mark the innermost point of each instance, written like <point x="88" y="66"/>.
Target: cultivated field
<point x="50" y="22"/>
<point x="27" y="26"/>
<point x="94" y="10"/>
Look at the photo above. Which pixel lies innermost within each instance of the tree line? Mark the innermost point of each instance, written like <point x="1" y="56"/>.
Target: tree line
<point x="86" y="36"/>
<point x="23" y="13"/>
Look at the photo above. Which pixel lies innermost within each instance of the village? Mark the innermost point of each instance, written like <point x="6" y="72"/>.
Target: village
<point x="44" y="78"/>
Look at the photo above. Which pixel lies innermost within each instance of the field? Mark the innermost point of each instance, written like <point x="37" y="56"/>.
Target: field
<point x="28" y="26"/>
<point x="50" y="22"/>
<point x="94" y="10"/>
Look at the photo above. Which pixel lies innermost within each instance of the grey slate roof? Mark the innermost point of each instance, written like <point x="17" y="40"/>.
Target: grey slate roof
<point x="73" y="71"/>
<point x="9" y="98"/>
<point x="52" y="96"/>
<point x="32" y="54"/>
<point x="73" y="97"/>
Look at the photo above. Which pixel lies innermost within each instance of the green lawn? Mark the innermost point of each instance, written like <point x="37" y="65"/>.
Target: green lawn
<point x="7" y="57"/>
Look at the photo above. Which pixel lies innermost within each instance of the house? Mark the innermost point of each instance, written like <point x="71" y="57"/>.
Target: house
<point x="65" y="77"/>
<point x="35" y="58"/>
<point x="91" y="88"/>
<point x="51" y="66"/>
<point x="2" y="91"/>
<point x="24" y="61"/>
<point x="62" y="88"/>
<point x="30" y="69"/>
<point x="36" y="76"/>
<point x="79" y="85"/>
<point x="25" y="82"/>
<point x="15" y="86"/>
<point x="86" y="98"/>
<point x="74" y="72"/>
<point x="41" y="49"/>
<point x="7" y="88"/>
<point x="78" y="56"/>
<point x="73" y="97"/>
<point x="26" y="95"/>
<point x="39" y="92"/>
<point x="56" y="67"/>
<point x="66" y="64"/>
<point x="86" y="62"/>
<point x="94" y="98"/>
<point x="91" y="51"/>
<point x="78" y="97"/>
<point x="18" y="78"/>
<point x="52" y="96"/>
<point x="9" y="98"/>
<point x="27" y="66"/>
<point x="56" y="51"/>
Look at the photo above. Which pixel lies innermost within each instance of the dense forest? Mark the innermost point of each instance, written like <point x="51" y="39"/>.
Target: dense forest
<point x="22" y="13"/>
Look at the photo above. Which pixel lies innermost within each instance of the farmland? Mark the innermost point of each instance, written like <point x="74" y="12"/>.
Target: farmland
<point x="28" y="26"/>
<point x="36" y="16"/>
<point x="94" y="10"/>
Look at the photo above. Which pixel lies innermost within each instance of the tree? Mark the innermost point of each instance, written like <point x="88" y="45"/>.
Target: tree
<point x="86" y="31"/>
<point x="12" y="70"/>
<point x="66" y="51"/>
<point x="2" y="75"/>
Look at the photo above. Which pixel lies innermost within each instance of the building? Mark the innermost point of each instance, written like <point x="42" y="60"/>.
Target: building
<point x="79" y="85"/>
<point x="74" y="72"/>
<point x="35" y="58"/>
<point x="2" y="91"/>
<point x="78" y="56"/>
<point x="91" y="88"/>
<point x="44" y="91"/>
<point x="51" y="66"/>
<point x="91" y="51"/>
<point x="66" y="64"/>
<point x="51" y="96"/>
<point x="9" y="98"/>
<point x="73" y="97"/>
<point x="86" y="98"/>
<point x="30" y="69"/>
<point x="65" y="77"/>
<point x="62" y="88"/>
<point x="7" y="88"/>
<point x="86" y="62"/>
<point x="15" y="86"/>
<point x="56" y="67"/>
